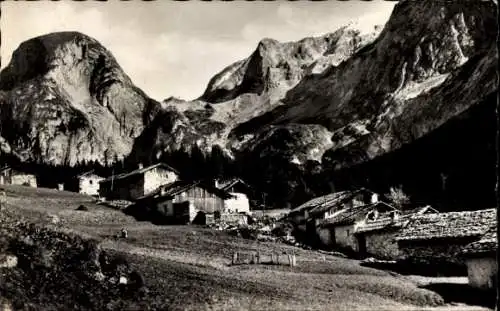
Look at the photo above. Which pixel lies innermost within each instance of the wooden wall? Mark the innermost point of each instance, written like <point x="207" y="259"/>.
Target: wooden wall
<point x="201" y="199"/>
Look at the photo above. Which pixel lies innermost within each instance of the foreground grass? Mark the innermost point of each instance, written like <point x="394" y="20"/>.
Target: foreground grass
<point x="188" y="268"/>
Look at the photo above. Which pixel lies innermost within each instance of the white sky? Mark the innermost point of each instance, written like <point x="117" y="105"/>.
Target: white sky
<point x="173" y="48"/>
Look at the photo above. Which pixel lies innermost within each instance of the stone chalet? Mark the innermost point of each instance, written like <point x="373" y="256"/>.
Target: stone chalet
<point x="324" y="207"/>
<point x="138" y="183"/>
<point x="11" y="176"/>
<point x="481" y="260"/>
<point x="439" y="239"/>
<point x="182" y="201"/>
<point x="378" y="233"/>
<point x="239" y="203"/>
<point x="339" y="230"/>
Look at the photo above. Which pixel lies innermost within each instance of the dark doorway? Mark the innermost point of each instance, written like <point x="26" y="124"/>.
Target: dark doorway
<point x="362" y="245"/>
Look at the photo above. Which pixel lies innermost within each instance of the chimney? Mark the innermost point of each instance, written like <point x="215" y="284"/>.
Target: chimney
<point x="140" y="165"/>
<point x="374" y="198"/>
<point x="216" y="183"/>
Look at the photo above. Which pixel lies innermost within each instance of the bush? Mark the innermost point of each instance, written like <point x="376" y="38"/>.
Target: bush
<point x="82" y="208"/>
<point x="398" y="197"/>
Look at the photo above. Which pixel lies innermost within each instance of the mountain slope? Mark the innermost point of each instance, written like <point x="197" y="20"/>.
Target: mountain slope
<point x="64" y="99"/>
<point x="245" y="90"/>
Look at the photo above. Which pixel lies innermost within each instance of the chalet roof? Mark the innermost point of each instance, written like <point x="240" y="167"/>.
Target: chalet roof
<point x="326" y="200"/>
<point x="177" y="187"/>
<point x="225" y="185"/>
<point x="351" y="215"/>
<point x="448" y="225"/>
<point x="141" y="171"/>
<point x="487" y="244"/>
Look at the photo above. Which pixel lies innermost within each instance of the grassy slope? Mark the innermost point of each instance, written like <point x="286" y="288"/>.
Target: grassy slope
<point x="187" y="267"/>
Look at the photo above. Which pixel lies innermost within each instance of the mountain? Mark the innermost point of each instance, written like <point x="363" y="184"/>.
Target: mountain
<point x="245" y="90"/>
<point x="432" y="67"/>
<point x="409" y="104"/>
<point x="65" y="100"/>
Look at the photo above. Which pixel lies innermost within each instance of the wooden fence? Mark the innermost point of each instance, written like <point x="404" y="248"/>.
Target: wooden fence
<point x="240" y="258"/>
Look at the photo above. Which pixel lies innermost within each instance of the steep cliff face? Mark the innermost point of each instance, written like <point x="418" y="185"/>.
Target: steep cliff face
<point x="64" y="99"/>
<point x="248" y="89"/>
<point x="432" y="63"/>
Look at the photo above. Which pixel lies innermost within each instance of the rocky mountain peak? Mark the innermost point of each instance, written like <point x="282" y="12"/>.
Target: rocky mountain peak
<point x="69" y="101"/>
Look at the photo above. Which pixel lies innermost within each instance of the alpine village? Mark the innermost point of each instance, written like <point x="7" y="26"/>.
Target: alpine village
<point x="350" y="171"/>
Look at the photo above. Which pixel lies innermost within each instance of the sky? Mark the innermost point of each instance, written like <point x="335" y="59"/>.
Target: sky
<point x="173" y="48"/>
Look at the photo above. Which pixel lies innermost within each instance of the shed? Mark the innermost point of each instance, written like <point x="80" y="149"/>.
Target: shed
<point x="85" y="183"/>
<point x="137" y="183"/>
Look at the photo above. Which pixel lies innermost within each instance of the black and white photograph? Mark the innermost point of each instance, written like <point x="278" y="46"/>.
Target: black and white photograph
<point x="249" y="155"/>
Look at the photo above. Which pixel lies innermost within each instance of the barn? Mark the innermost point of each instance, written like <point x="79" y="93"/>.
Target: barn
<point x="182" y="201"/>
<point x="138" y="183"/>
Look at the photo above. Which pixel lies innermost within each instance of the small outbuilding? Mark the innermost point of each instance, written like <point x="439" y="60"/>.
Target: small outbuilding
<point x="85" y="183"/>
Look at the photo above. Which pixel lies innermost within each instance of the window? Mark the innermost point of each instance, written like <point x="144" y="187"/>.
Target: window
<point x="90" y="181"/>
<point x="347" y="232"/>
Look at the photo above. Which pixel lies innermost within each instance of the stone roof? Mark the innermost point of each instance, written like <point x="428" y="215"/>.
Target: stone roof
<point x="351" y="215"/>
<point x="487" y="244"/>
<point x="141" y="171"/>
<point x="386" y="221"/>
<point x="448" y="225"/>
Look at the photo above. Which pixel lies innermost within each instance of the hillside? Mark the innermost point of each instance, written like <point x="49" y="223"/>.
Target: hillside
<point x="64" y="99"/>
<point x="182" y="267"/>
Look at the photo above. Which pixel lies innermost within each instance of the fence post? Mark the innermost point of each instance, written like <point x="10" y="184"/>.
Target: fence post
<point x="235" y="258"/>
<point x="294" y="260"/>
<point x="258" y="257"/>
<point x="290" y="260"/>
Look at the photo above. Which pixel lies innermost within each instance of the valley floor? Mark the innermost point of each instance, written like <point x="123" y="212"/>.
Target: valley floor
<point x="188" y="267"/>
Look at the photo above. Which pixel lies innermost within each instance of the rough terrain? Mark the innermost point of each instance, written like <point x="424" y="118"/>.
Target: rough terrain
<point x="183" y="267"/>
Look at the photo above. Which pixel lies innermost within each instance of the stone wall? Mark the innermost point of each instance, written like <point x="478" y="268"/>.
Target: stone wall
<point x="345" y="238"/>
<point x="382" y="245"/>
<point x="482" y="271"/>
<point x="326" y="237"/>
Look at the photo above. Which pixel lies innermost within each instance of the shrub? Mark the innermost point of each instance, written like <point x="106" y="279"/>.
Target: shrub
<point x="398" y="197"/>
<point x="82" y="208"/>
